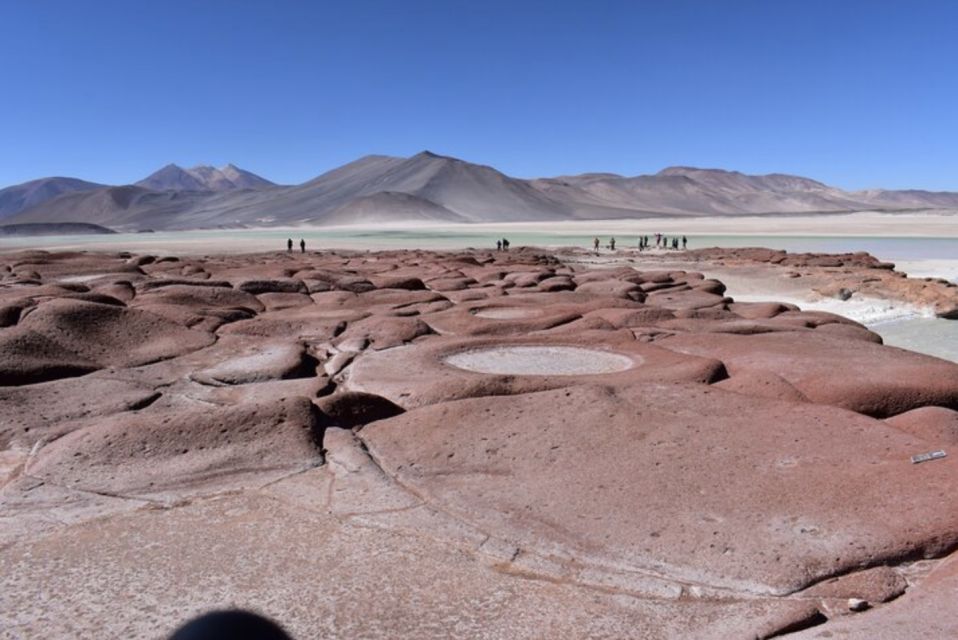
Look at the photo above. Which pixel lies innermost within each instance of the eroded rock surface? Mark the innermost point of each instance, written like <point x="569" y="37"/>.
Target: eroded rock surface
<point x="464" y="445"/>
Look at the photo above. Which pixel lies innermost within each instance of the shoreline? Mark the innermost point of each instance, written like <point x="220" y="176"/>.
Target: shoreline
<point x="935" y="228"/>
<point x="852" y="285"/>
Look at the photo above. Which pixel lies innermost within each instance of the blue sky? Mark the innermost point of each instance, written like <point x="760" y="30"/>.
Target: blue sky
<point x="857" y="94"/>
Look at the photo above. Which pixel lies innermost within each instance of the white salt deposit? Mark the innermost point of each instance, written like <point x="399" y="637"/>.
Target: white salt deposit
<point x="506" y="313"/>
<point x="540" y="361"/>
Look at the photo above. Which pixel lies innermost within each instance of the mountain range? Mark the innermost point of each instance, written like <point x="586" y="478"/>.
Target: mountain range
<point x="432" y="187"/>
<point x="203" y="178"/>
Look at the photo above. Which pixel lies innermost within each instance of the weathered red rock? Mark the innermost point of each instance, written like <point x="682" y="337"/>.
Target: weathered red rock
<point x="409" y="283"/>
<point x="385" y="332"/>
<point x="351" y="409"/>
<point x="613" y="288"/>
<point x="858" y="375"/>
<point x="42" y="412"/>
<point x="763" y="384"/>
<point x="649" y="480"/>
<point x="258" y="361"/>
<point x="924" y="611"/>
<point x="625" y="453"/>
<point x="158" y="453"/>
<point x="62" y="338"/>
<point x="419" y="375"/>
<point x="280" y="301"/>
<point x="937" y="425"/>
<point x="277" y="285"/>
<point x="200" y="297"/>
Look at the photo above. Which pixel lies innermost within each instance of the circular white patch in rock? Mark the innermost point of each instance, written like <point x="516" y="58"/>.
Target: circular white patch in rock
<point x="506" y="313"/>
<point x="540" y="361"/>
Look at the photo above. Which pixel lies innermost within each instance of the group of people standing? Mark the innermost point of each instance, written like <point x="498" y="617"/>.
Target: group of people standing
<point x="664" y="242"/>
<point x="661" y="242"/>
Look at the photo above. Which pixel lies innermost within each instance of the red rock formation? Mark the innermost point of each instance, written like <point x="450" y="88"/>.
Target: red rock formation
<point x="609" y="452"/>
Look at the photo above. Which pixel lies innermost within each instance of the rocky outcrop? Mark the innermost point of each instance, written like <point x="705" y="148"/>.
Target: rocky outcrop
<point x="520" y="444"/>
<point x="841" y="276"/>
<point x="173" y="453"/>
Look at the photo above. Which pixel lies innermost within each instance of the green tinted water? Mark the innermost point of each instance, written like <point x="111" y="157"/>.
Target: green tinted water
<point x="218" y="241"/>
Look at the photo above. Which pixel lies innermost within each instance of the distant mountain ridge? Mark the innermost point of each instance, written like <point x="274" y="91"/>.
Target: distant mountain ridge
<point x="203" y="178"/>
<point x="435" y="188"/>
<point x="24" y="196"/>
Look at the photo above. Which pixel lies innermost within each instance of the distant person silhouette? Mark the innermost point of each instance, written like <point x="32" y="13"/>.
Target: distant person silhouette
<point x="498" y="245"/>
<point x="230" y="625"/>
<point x="685" y="241"/>
<point x="289" y="244"/>
<point x="505" y="244"/>
<point x="302" y="246"/>
<point x="595" y="245"/>
<point x="612" y="244"/>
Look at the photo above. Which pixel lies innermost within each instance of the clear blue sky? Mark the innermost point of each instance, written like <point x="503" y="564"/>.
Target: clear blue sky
<point x="857" y="94"/>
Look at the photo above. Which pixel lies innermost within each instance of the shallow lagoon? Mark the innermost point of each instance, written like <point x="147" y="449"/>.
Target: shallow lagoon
<point x="238" y="240"/>
<point x="933" y="336"/>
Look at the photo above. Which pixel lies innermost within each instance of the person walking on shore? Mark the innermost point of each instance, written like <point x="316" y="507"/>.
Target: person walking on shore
<point x="302" y="246"/>
<point x="685" y="242"/>
<point x="595" y="245"/>
<point x="498" y="245"/>
<point x="612" y="243"/>
<point x="289" y="244"/>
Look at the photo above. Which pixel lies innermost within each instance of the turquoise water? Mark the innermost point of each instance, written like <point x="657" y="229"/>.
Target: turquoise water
<point x="933" y="336"/>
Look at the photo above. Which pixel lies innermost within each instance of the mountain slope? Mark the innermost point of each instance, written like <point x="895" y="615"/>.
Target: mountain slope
<point x="203" y="178"/>
<point x="243" y="179"/>
<point x="432" y="187"/>
<point x="20" y="197"/>
<point x="129" y="207"/>
<point x="387" y="206"/>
